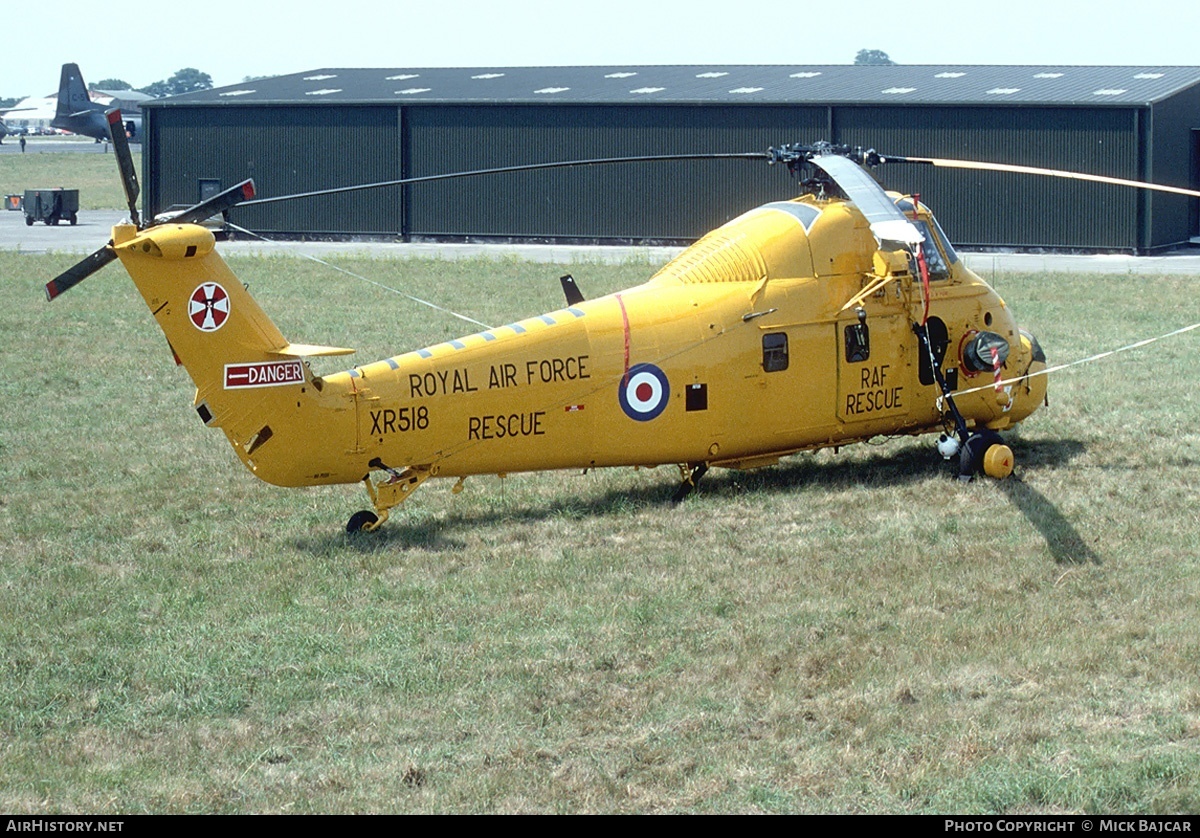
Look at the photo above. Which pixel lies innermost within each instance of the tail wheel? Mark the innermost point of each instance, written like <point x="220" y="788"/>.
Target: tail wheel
<point x="362" y="521"/>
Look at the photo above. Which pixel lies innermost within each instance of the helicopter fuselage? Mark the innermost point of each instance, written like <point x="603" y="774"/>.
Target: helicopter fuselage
<point x="790" y="328"/>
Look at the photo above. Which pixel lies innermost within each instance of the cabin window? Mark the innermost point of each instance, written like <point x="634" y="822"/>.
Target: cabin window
<point x="775" y="352"/>
<point x="858" y="343"/>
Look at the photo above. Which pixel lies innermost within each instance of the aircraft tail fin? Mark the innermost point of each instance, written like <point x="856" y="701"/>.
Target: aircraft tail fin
<point x="250" y="380"/>
<point x="206" y="314"/>
<point x="72" y="93"/>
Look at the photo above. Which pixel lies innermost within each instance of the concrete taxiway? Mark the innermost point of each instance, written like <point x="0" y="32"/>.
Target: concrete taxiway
<point x="93" y="230"/>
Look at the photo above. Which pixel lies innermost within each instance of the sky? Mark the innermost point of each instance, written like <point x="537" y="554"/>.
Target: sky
<point x="233" y="40"/>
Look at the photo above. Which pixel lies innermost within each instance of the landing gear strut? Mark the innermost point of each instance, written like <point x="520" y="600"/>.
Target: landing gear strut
<point x="388" y="494"/>
<point x="980" y="451"/>
<point x="690" y="475"/>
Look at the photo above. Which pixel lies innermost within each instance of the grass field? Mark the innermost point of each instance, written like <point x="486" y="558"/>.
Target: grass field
<point x="855" y="632"/>
<point x="46" y="165"/>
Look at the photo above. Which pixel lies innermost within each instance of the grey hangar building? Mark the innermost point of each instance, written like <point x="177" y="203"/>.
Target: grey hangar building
<point x="336" y="127"/>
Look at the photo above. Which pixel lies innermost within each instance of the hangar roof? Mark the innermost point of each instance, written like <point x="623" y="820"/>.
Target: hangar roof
<point x="715" y="84"/>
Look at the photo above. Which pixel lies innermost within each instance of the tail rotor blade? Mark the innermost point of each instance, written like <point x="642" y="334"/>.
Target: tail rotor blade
<point x="80" y="271"/>
<point x="116" y="131"/>
<point x="220" y="202"/>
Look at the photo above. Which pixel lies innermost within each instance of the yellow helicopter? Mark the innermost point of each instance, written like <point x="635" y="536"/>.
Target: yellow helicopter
<point x="816" y="322"/>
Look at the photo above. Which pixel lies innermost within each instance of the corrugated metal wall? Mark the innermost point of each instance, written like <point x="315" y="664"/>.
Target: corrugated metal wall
<point x="286" y="150"/>
<point x="671" y="200"/>
<point x="295" y="149"/>
<point x="987" y="208"/>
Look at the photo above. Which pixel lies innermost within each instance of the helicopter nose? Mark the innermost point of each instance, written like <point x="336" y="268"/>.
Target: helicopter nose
<point x="1038" y="354"/>
<point x="1031" y="393"/>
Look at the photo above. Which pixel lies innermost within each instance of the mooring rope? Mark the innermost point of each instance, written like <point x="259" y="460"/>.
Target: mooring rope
<point x="1137" y="345"/>
<point x="320" y="261"/>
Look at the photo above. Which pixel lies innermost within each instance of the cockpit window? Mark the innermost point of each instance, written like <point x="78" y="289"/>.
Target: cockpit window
<point x="933" y="256"/>
<point x="944" y="242"/>
<point x="937" y="246"/>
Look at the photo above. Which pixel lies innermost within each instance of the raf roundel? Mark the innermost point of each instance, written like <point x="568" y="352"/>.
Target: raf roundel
<point x="208" y="307"/>
<point x="643" y="392"/>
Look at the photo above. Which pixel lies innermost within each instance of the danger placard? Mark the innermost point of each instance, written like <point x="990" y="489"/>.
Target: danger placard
<point x="263" y="374"/>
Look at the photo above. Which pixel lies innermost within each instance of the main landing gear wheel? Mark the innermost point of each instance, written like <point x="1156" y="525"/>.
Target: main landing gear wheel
<point x="998" y="461"/>
<point x="362" y="521"/>
<point x="985" y="452"/>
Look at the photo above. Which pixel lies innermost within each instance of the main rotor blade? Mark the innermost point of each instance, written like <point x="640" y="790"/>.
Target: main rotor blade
<point x="1033" y="170"/>
<point x="116" y="131"/>
<point x="526" y="167"/>
<point x="80" y="271"/>
<point x="887" y="222"/>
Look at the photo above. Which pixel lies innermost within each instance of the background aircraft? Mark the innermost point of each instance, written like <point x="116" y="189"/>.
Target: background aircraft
<point x="78" y="114"/>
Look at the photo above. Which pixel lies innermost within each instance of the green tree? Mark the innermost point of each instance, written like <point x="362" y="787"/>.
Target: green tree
<point x="187" y="80"/>
<point x="872" y="56"/>
<point x="113" y="84"/>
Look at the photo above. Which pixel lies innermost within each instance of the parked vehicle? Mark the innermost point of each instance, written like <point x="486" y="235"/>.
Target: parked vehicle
<point x="51" y="205"/>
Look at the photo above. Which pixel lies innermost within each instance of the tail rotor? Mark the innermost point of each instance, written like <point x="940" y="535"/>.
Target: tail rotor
<point x="219" y="203"/>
